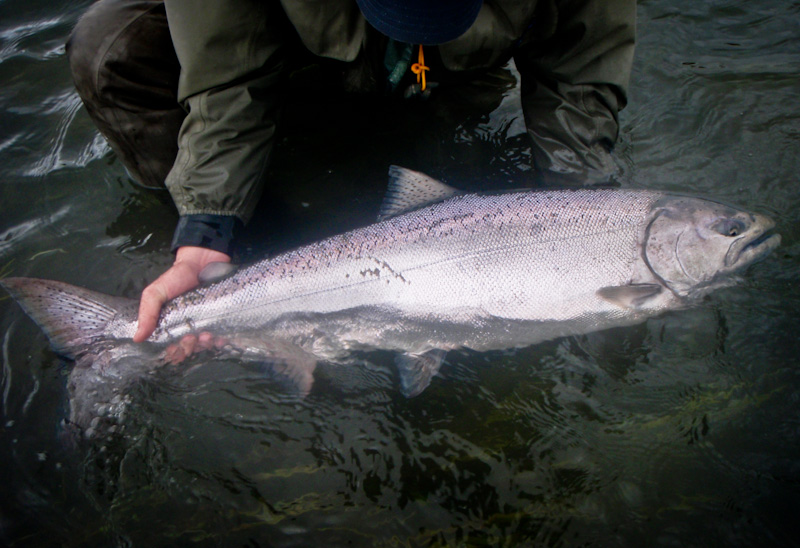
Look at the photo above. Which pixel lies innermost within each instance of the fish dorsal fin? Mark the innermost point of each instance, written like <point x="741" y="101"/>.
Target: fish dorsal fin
<point x="629" y="296"/>
<point x="409" y="190"/>
<point x="417" y="370"/>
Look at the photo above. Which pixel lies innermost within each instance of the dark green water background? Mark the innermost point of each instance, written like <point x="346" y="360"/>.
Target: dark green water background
<point x="683" y="431"/>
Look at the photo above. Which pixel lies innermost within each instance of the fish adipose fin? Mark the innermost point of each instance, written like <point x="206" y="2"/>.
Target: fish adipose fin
<point x="70" y="316"/>
<point x="629" y="296"/>
<point x="409" y="190"/>
<point x="417" y="370"/>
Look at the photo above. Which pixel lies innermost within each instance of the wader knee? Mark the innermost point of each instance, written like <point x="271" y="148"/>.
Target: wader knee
<point x="126" y="72"/>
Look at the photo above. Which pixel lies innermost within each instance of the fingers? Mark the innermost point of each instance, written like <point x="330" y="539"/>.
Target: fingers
<point x="205" y="341"/>
<point x="176" y="353"/>
<point x="191" y="344"/>
<point x="153" y="297"/>
<point x="180" y="278"/>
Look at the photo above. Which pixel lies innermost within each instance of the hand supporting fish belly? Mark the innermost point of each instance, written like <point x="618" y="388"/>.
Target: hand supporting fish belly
<point x="440" y="270"/>
<point x="190" y="344"/>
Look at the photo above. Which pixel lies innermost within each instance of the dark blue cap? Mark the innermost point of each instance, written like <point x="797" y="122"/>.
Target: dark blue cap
<point x="426" y="22"/>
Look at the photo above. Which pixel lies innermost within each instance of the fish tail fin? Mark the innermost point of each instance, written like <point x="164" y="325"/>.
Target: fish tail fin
<point x="70" y="316"/>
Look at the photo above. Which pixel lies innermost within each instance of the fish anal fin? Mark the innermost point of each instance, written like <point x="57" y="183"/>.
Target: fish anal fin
<point x="286" y="361"/>
<point x="298" y="373"/>
<point x="417" y="370"/>
<point x="409" y="190"/>
<point x="629" y="296"/>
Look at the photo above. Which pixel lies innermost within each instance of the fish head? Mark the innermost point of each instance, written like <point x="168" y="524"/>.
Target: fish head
<point x="694" y="245"/>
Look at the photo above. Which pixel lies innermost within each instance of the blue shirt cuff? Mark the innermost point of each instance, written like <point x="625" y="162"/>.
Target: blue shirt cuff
<point x="215" y="232"/>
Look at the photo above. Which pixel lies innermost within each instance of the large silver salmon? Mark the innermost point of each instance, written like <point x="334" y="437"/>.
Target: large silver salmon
<point x="441" y="270"/>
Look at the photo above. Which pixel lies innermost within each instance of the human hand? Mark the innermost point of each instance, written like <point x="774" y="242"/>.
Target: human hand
<point x="182" y="276"/>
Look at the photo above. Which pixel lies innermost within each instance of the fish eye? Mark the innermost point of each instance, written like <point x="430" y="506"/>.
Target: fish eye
<point x="729" y="227"/>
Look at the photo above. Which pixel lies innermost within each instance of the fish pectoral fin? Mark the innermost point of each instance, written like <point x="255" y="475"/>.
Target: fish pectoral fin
<point x="629" y="296"/>
<point x="417" y="370"/>
<point x="216" y="271"/>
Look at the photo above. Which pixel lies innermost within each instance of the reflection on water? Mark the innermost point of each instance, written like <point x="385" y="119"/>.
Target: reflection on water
<point x="680" y="431"/>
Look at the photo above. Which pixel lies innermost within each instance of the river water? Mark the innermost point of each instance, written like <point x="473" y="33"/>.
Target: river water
<point x="683" y="431"/>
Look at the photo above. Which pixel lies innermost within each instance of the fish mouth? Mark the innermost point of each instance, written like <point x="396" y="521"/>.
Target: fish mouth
<point x="753" y="247"/>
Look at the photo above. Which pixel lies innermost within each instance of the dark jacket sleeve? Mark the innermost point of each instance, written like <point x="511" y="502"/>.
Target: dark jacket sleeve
<point x="231" y="56"/>
<point x="574" y="82"/>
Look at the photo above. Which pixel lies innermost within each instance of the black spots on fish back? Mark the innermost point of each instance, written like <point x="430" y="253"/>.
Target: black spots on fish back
<point x="382" y="270"/>
<point x="493" y="218"/>
<point x="193" y="298"/>
<point x="435" y="222"/>
<point x="393" y="273"/>
<point x="580" y="212"/>
<point x="376" y="272"/>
